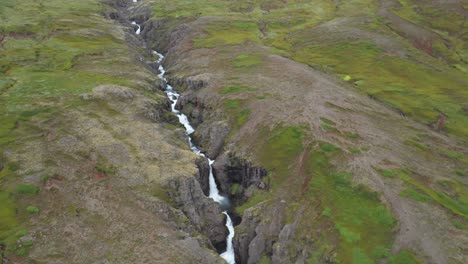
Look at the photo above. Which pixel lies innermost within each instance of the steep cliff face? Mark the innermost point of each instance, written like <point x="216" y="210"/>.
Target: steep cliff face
<point x="202" y="211"/>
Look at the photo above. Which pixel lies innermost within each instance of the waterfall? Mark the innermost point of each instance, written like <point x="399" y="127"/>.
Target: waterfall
<point x="173" y="96"/>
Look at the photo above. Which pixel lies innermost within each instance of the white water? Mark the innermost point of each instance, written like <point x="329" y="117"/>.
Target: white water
<point x="139" y="28"/>
<point x="173" y="96"/>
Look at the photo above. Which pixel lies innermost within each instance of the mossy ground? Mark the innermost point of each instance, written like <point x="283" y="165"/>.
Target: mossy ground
<point x="419" y="86"/>
<point x="351" y="41"/>
<point x="52" y="51"/>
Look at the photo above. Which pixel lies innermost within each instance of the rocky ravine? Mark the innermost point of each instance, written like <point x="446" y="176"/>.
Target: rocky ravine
<point x="117" y="181"/>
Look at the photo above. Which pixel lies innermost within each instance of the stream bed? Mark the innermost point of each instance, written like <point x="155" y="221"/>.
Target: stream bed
<point x="214" y="193"/>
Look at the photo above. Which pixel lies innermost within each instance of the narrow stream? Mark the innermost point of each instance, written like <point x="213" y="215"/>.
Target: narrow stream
<point x="214" y="194"/>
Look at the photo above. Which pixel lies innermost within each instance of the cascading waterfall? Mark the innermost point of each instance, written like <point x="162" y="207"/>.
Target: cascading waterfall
<point x="228" y="255"/>
<point x="138" y="29"/>
<point x="214" y="194"/>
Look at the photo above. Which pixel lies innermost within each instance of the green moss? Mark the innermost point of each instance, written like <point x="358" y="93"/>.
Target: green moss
<point x="459" y="172"/>
<point x="454" y="155"/>
<point x="234" y="188"/>
<point x="247" y="60"/>
<point x="106" y="169"/>
<point x="257" y="198"/>
<point x="8" y="220"/>
<point x="32" y="209"/>
<point x="232" y="104"/>
<point x="363" y="223"/>
<point x="327" y="147"/>
<point x="457" y="204"/>
<point x="388" y="173"/>
<point x="327" y="121"/>
<point x="280" y="149"/>
<point x="27" y="189"/>
<point x="460" y="224"/>
<point x="239" y="32"/>
<point x="161" y="193"/>
<point x="403" y="257"/>
<point x="415" y="194"/>
<point x="352" y="135"/>
<point x="355" y="150"/>
<point x="264" y="260"/>
<point x="414" y="143"/>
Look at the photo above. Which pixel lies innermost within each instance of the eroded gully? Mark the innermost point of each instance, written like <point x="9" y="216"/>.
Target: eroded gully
<point x="214" y="194"/>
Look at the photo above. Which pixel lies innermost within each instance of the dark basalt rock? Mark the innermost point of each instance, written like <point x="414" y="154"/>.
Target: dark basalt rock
<point x="230" y="169"/>
<point x="203" y="175"/>
<point x="159" y="112"/>
<point x="202" y="211"/>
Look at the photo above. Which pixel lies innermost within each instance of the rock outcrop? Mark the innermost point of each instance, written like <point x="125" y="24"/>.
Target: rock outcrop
<point x="202" y="211"/>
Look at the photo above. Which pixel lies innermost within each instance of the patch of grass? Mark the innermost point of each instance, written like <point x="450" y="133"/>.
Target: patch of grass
<point x="234" y="188"/>
<point x="106" y="169"/>
<point x="415" y="194"/>
<point x="389" y="173"/>
<point x="352" y="135"/>
<point x="264" y="260"/>
<point x="280" y="149"/>
<point x="355" y="150"/>
<point x="32" y="209"/>
<point x="242" y="117"/>
<point x="459" y="172"/>
<point x="238" y="114"/>
<point x="362" y="222"/>
<point x="257" y="198"/>
<point x="414" y="143"/>
<point x="403" y="257"/>
<point x="239" y="32"/>
<point x="328" y="124"/>
<point x="457" y="204"/>
<point x="415" y="89"/>
<point x="460" y="224"/>
<point x="247" y="60"/>
<point x="232" y="104"/>
<point x="27" y="189"/>
<point x="161" y="193"/>
<point x="328" y="127"/>
<point x="454" y="155"/>
<point x="327" y="121"/>
<point x="103" y="166"/>
<point x="236" y="89"/>
<point x="327" y="147"/>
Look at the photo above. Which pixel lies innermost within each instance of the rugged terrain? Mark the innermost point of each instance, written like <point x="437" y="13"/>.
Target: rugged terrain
<point x="339" y="130"/>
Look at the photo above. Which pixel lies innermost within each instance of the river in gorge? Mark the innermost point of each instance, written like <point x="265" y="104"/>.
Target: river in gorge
<point x="214" y="194"/>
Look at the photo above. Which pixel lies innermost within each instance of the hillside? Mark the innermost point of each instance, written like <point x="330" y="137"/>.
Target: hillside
<point x="338" y="131"/>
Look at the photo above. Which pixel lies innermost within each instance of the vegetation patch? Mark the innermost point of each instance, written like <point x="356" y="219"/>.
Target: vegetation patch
<point x="238" y="114"/>
<point x="31" y="209"/>
<point x="239" y="32"/>
<point x="27" y="189"/>
<point x="247" y="60"/>
<point x="457" y="203"/>
<point x="328" y="124"/>
<point x="363" y="223"/>
<point x="277" y="154"/>
<point x="415" y="194"/>
<point x="403" y="257"/>
<point x="280" y="150"/>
